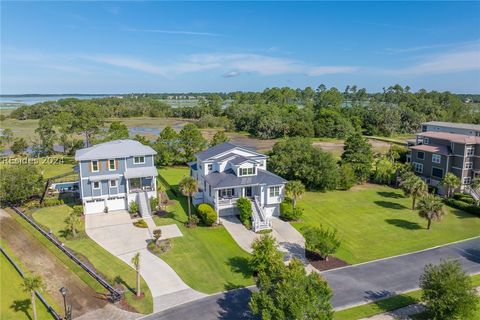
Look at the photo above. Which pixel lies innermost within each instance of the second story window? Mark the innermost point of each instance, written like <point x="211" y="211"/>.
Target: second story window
<point x="94" y="165"/>
<point x="274" y="191"/>
<point x="138" y="160"/>
<point x="425" y="141"/>
<point x="417" y="167"/>
<point x="436" y="158"/>
<point x="420" y="155"/>
<point x="111" y="165"/>
<point x="470" y="151"/>
<point x="247" y="171"/>
<point x="468" y="165"/>
<point x="210" y="167"/>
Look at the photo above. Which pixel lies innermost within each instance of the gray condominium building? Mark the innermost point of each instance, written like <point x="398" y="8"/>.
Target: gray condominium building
<point x="444" y="147"/>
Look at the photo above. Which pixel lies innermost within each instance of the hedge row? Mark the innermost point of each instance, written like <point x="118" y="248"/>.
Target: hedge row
<point x="48" y="202"/>
<point x="464" y="197"/>
<point x="470" y="208"/>
<point x="207" y="214"/>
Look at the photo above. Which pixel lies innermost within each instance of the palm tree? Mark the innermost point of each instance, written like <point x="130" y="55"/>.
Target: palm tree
<point x="451" y="182"/>
<point x="30" y="285"/>
<point x="188" y="186"/>
<point x="136" y="264"/>
<point x="72" y="221"/>
<point x="413" y="186"/>
<point x="294" y="189"/>
<point x="430" y="208"/>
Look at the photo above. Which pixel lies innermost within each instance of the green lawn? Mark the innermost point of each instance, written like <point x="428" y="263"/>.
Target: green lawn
<point x="112" y="268"/>
<point x="375" y="222"/>
<point x="207" y="259"/>
<point x="15" y="303"/>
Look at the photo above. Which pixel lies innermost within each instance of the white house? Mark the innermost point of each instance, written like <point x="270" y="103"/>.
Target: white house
<point x="227" y="172"/>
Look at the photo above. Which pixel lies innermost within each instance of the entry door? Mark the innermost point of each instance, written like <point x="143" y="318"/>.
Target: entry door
<point x="248" y="192"/>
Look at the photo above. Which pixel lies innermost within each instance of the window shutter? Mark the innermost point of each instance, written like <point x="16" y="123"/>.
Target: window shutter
<point x="116" y="164"/>
<point x="99" y="165"/>
<point x="90" y="167"/>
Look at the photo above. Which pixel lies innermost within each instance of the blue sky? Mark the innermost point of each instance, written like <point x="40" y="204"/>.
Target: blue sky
<point x="121" y="47"/>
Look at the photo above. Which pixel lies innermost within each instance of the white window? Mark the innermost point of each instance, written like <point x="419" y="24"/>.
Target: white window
<point x="112" y="165"/>
<point x="138" y="160"/>
<point x="94" y="166"/>
<point x="417" y="167"/>
<point x="467" y="180"/>
<point x="247" y="171"/>
<point x="425" y="141"/>
<point x="274" y="191"/>
<point x="113" y="183"/>
<point x="436" y="158"/>
<point x="468" y="165"/>
<point x="470" y="151"/>
<point x="226" y="193"/>
<point x="96" y="185"/>
<point x="210" y="167"/>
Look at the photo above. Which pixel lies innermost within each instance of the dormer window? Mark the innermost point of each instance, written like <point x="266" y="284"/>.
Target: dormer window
<point x="247" y="171"/>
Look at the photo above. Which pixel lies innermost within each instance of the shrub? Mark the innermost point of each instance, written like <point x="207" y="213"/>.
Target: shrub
<point x="288" y="213"/>
<point x="265" y="254"/>
<point x="192" y="221"/>
<point x="448" y="291"/>
<point x="159" y="246"/>
<point x="153" y="203"/>
<point x="50" y="202"/>
<point x="32" y="204"/>
<point x="321" y="241"/>
<point x="140" y="224"/>
<point x="157" y="233"/>
<point x="78" y="210"/>
<point x="464" y="197"/>
<point x="347" y="177"/>
<point x="207" y="214"/>
<point x="133" y="207"/>
<point x="245" y="209"/>
<point x="472" y="209"/>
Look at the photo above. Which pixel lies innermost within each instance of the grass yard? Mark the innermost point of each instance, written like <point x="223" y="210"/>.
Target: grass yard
<point x="112" y="268"/>
<point x="376" y="222"/>
<point x="207" y="259"/>
<point x="15" y="303"/>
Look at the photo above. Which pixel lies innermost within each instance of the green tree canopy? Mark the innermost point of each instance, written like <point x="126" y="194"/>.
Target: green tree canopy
<point x="218" y="138"/>
<point x="18" y="183"/>
<point x="430" y="207"/>
<point x="117" y="130"/>
<point x="191" y="141"/>
<point x="358" y="153"/>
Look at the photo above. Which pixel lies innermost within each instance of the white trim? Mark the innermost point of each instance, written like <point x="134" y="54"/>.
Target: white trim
<point x="99" y="185"/>
<point x="114" y="165"/>
<point x="141" y="162"/>
<point x="81" y="178"/>
<point x="436" y="158"/>
<point x="110" y="183"/>
<point x="420" y="166"/>
<point x="431" y="173"/>
<point x="98" y="165"/>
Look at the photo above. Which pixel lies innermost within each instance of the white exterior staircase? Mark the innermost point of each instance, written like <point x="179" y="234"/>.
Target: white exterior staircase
<point x="259" y="220"/>
<point x="144" y="204"/>
<point x="473" y="192"/>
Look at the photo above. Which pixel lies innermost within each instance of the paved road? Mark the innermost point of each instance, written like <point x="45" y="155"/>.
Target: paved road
<point x="352" y="285"/>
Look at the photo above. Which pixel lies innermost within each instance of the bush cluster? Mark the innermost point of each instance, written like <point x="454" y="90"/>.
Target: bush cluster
<point x="140" y="224"/>
<point x="153" y="203"/>
<point x="207" y="214"/>
<point x="133" y="207"/>
<point x="464" y="197"/>
<point x="244" y="207"/>
<point x="48" y="202"/>
<point x="288" y="213"/>
<point x="462" y="205"/>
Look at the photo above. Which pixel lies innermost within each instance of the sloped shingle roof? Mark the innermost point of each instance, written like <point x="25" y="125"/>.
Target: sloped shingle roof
<point x="229" y="179"/>
<point x="458" y="138"/>
<point x="439" y="149"/>
<point x="468" y="126"/>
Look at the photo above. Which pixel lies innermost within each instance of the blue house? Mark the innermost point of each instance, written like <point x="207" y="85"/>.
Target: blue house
<point x="115" y="173"/>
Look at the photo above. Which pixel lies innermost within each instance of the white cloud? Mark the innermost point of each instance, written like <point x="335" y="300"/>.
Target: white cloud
<point x="129" y="63"/>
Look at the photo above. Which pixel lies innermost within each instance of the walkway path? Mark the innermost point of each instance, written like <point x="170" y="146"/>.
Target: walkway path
<point x="290" y="241"/>
<point x="115" y="232"/>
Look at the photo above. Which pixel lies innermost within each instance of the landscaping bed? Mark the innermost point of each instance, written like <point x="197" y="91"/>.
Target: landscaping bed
<point x="321" y="264"/>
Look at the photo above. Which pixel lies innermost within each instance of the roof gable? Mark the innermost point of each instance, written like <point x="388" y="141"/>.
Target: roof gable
<point x="223" y="150"/>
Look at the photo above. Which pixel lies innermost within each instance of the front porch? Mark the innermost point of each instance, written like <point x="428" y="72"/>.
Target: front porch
<point x="228" y="197"/>
<point x="135" y="185"/>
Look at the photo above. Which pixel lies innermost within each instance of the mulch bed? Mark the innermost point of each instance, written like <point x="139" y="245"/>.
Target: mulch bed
<point x="322" y="265"/>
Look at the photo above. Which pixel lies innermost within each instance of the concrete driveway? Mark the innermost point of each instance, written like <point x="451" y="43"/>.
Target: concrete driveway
<point x="115" y="232"/>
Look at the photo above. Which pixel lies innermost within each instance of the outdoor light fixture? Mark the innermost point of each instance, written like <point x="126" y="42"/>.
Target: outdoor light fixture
<point x="64" y="292"/>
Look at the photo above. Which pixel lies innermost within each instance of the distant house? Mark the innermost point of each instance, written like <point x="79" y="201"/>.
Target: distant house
<point x="115" y="173"/>
<point x="227" y="172"/>
<point x="444" y="147"/>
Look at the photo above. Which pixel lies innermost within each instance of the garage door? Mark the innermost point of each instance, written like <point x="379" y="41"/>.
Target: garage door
<point x="116" y="204"/>
<point x="95" y="206"/>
